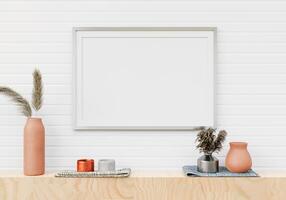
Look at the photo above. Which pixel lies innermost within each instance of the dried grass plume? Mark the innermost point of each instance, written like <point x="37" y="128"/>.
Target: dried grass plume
<point x="18" y="99"/>
<point x="208" y="142"/>
<point x="37" y="96"/>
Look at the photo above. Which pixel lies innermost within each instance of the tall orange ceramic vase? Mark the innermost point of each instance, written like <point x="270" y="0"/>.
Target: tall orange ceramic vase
<point x="34" y="147"/>
<point x="238" y="158"/>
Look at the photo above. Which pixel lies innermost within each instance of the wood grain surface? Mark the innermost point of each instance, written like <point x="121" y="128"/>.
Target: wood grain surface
<point x="141" y="186"/>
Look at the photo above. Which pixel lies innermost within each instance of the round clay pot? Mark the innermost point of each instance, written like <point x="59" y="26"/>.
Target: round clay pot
<point x="238" y="158"/>
<point x="34" y="147"/>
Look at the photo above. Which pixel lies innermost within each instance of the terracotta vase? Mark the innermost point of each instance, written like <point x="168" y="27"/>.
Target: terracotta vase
<point x="238" y="158"/>
<point x="34" y="147"/>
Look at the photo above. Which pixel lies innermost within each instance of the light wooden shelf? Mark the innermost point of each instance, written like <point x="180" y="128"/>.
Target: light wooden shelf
<point x="142" y="185"/>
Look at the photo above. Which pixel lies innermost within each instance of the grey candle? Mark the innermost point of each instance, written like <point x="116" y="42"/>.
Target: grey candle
<point x="106" y="165"/>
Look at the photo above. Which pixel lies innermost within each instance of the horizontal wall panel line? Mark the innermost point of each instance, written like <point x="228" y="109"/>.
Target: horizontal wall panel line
<point x="143" y="11"/>
<point x="73" y="159"/>
<point x="219" y="31"/>
<point x="197" y="24"/>
<point x="139" y="5"/>
<point x="248" y="114"/>
<point x="129" y="147"/>
<point x="219" y="54"/>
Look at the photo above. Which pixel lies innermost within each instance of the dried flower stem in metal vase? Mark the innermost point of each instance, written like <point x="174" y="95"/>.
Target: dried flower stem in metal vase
<point x="208" y="142"/>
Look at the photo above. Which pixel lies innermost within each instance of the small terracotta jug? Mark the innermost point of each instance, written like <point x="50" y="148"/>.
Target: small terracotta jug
<point x="238" y="158"/>
<point x="34" y="147"/>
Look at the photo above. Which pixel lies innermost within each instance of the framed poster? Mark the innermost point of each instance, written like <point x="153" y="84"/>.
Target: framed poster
<point x="143" y="78"/>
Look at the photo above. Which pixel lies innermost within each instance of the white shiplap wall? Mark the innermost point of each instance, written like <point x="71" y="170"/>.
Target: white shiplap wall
<point x="251" y="78"/>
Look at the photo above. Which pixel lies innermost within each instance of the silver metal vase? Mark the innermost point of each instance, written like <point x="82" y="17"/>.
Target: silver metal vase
<point x="208" y="164"/>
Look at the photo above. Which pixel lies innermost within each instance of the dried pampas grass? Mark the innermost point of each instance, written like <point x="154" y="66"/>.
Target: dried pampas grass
<point x="18" y="99"/>
<point x="37" y="91"/>
<point x="37" y="96"/>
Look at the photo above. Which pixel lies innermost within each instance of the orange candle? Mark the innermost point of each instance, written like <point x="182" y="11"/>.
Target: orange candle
<point x="85" y="165"/>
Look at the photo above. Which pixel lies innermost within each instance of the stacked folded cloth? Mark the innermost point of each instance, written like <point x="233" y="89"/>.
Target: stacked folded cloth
<point x="96" y="174"/>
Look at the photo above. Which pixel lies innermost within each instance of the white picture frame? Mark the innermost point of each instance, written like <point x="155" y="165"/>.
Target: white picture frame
<point x="143" y="78"/>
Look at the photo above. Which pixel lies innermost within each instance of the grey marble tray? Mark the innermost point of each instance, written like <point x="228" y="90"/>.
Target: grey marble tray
<point x="191" y="170"/>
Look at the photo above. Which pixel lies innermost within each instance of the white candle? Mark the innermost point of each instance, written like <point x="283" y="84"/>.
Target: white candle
<point x="106" y="165"/>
